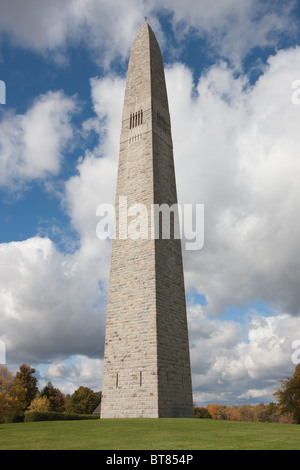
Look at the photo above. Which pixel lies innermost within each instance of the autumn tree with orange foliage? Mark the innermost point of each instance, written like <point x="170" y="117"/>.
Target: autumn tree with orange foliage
<point x="217" y="411"/>
<point x="26" y="380"/>
<point x="233" y="413"/>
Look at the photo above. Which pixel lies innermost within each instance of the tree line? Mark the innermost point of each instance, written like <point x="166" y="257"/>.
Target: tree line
<point x="19" y="395"/>
<point x="286" y="410"/>
<point x="270" y="413"/>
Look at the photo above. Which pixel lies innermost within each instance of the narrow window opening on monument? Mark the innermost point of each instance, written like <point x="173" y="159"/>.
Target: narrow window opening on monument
<point x="136" y="119"/>
<point x="172" y="222"/>
<point x="160" y="222"/>
<point x="117" y="381"/>
<point x="141" y="379"/>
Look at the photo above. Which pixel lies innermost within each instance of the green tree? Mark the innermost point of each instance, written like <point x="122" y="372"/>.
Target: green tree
<point x="55" y="397"/>
<point x="273" y="412"/>
<point x="288" y="395"/>
<point x="84" y="400"/>
<point x="39" y="404"/>
<point x="201" y="413"/>
<point x="25" y="379"/>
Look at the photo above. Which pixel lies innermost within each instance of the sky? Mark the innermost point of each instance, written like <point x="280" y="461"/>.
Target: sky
<point x="233" y="79"/>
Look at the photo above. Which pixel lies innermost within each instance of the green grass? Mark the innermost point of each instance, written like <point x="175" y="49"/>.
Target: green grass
<point x="149" y="434"/>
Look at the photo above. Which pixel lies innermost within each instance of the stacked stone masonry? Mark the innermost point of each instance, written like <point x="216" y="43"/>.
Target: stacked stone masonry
<point x="146" y="361"/>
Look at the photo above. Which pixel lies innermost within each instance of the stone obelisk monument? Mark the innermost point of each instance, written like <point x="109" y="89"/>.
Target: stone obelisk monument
<point x="146" y="360"/>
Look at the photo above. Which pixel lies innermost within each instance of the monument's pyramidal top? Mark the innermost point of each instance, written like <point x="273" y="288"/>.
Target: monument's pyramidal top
<point x="145" y="77"/>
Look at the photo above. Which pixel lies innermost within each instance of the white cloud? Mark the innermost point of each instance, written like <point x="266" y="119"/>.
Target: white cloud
<point x="108" y="28"/>
<point x="36" y="24"/>
<point x="255" y="394"/>
<point x="32" y="144"/>
<point x="237" y="152"/>
<point x="232" y="28"/>
<point x="233" y="362"/>
<point x="95" y="181"/>
<point x="58" y="370"/>
<point x="75" y="372"/>
<point x="51" y="304"/>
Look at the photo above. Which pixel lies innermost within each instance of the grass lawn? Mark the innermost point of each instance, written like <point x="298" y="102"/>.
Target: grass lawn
<point x="149" y="434"/>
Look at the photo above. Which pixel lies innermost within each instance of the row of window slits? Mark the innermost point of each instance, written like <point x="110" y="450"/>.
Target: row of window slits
<point x="136" y="119"/>
<point x="135" y="138"/>
<point x="141" y="380"/>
